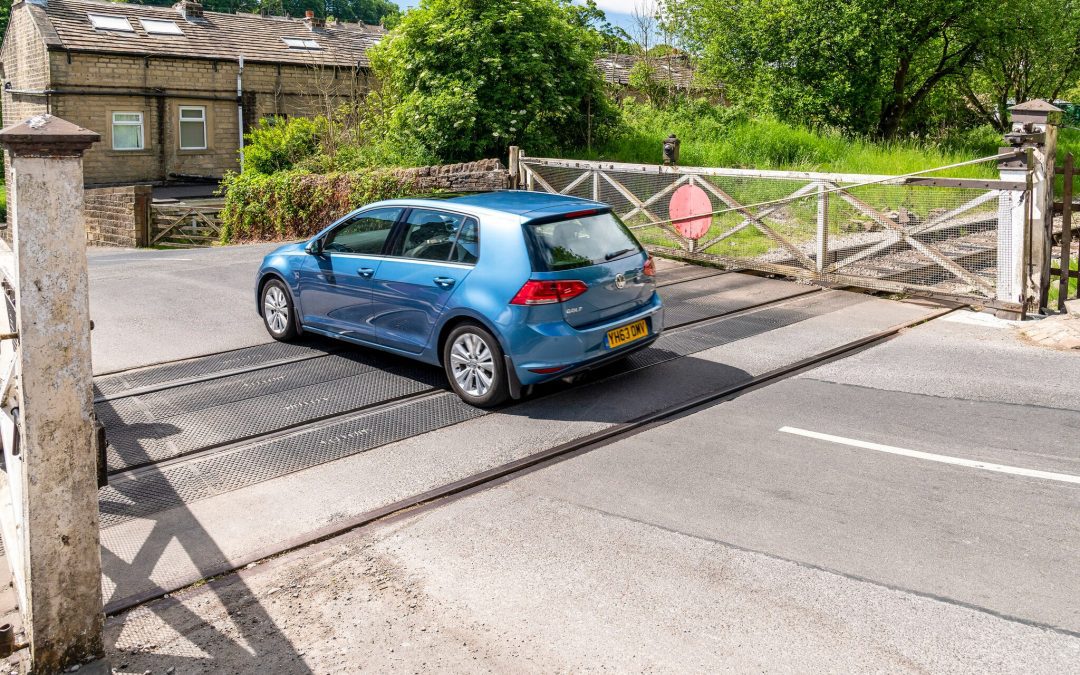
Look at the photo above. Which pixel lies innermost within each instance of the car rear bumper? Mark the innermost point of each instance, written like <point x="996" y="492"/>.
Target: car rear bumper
<point x="569" y="351"/>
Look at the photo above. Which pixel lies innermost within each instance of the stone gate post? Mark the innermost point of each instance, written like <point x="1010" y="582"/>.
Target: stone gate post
<point x="58" y="533"/>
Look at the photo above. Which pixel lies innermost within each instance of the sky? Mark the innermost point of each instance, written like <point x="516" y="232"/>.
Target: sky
<point x="619" y="12"/>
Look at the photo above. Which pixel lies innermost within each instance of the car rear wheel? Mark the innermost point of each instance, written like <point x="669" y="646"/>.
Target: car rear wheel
<point x="277" y="311"/>
<point x="475" y="366"/>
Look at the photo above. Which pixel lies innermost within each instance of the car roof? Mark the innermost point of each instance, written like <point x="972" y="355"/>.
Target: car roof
<point x="527" y="205"/>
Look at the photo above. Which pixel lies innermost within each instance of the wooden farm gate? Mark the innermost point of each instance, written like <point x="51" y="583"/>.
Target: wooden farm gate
<point x="184" y="225"/>
<point x="944" y="237"/>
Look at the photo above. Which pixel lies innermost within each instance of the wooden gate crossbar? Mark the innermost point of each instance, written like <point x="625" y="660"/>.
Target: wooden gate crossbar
<point x="892" y="232"/>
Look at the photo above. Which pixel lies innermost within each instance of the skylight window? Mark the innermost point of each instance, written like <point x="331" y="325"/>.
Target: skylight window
<point x="301" y="43"/>
<point x="106" y="22"/>
<point x="160" y="27"/>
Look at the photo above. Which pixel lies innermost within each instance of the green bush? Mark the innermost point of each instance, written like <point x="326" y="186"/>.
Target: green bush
<point x="295" y="204"/>
<point x="279" y="144"/>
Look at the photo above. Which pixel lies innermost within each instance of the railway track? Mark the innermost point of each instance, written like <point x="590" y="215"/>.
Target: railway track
<point x="176" y="459"/>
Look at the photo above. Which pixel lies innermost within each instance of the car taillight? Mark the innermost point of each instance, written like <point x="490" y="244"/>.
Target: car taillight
<point x="536" y="292"/>
<point x="650" y="267"/>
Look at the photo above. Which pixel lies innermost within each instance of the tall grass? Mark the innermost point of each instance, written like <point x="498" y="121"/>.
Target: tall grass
<point x="712" y="136"/>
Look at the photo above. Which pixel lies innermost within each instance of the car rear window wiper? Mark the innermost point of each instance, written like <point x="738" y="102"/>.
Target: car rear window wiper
<point x="616" y="254"/>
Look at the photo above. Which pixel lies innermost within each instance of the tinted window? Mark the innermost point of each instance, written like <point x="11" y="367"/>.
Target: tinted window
<point x="579" y="242"/>
<point x="437" y="235"/>
<point x="365" y="233"/>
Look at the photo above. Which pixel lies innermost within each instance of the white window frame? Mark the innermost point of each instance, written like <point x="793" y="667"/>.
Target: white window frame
<point x="307" y="44"/>
<point x="160" y="27"/>
<point x="125" y="123"/>
<point x="101" y="21"/>
<point x="180" y="125"/>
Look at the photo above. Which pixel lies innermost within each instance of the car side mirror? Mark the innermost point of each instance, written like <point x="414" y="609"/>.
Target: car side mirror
<point x="314" y="247"/>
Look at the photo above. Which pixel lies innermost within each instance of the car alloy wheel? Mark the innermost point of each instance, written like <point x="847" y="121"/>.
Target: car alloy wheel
<point x="276" y="309"/>
<point x="472" y="364"/>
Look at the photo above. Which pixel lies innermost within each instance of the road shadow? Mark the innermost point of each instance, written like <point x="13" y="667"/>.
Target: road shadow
<point x="129" y="573"/>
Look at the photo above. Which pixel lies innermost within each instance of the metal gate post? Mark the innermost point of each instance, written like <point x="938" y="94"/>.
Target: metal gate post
<point x="58" y="536"/>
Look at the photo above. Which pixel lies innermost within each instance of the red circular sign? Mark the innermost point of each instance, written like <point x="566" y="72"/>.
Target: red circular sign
<point x="690" y="211"/>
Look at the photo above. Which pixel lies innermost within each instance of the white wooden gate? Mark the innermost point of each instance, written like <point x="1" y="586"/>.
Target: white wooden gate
<point x="946" y="237"/>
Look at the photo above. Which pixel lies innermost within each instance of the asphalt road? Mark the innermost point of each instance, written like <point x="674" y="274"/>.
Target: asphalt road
<point x="152" y="306"/>
<point x="913" y="507"/>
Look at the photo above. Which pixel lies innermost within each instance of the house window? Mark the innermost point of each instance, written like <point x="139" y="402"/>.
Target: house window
<point x="301" y="43"/>
<point x="160" y="27"/>
<point x="106" y="22"/>
<point x="127" y="131"/>
<point x="192" y="127"/>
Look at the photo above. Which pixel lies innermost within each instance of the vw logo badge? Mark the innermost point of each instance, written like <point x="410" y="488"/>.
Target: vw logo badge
<point x="620" y="281"/>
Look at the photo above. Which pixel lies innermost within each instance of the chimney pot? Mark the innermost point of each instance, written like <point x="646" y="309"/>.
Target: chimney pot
<point x="310" y="14"/>
<point x="189" y="9"/>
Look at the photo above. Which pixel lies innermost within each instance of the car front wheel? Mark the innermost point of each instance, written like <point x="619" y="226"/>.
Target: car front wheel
<point x="277" y="311"/>
<point x="475" y="366"/>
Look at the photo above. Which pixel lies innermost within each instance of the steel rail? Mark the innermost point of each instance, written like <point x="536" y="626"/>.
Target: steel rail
<point x="489" y="478"/>
<point x="154" y="466"/>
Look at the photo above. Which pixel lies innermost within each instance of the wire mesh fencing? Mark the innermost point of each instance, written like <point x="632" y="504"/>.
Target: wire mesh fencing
<point x="943" y="236"/>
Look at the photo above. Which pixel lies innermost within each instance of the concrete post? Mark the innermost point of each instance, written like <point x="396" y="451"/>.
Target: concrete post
<point x="1034" y="125"/>
<point x="59" y="535"/>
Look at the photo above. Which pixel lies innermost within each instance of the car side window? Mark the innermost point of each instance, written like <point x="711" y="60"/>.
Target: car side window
<point x="364" y="233"/>
<point x="438" y="235"/>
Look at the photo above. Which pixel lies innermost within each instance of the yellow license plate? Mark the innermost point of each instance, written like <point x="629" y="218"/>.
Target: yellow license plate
<point x="617" y="337"/>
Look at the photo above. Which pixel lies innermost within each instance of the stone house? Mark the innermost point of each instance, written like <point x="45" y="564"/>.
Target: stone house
<point x="673" y="70"/>
<point x="170" y="90"/>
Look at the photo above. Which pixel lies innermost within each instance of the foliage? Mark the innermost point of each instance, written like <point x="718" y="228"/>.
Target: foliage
<point x="5" y="15"/>
<point x="613" y="39"/>
<point x="464" y="80"/>
<point x="352" y="138"/>
<point x="864" y="66"/>
<point x="366" y="11"/>
<point x="728" y="137"/>
<point x="3" y="202"/>
<point x="1038" y="57"/>
<point x="295" y="204"/>
<point x="278" y="144"/>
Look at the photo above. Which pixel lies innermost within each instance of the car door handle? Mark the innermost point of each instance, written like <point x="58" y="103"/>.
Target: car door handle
<point x="444" y="282"/>
<point x="366" y="272"/>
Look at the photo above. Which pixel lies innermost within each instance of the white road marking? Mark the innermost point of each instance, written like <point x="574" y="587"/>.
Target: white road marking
<point x="944" y="459"/>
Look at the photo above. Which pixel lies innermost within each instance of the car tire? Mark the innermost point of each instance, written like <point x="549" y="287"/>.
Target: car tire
<point x="277" y="311"/>
<point x="475" y="366"/>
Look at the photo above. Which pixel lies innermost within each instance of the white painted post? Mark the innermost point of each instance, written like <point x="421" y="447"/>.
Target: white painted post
<point x="61" y="558"/>
<point x="1035" y="122"/>
<point x="822" y="227"/>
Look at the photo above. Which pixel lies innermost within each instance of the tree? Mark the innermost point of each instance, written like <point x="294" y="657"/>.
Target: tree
<point x="5" y="15"/>
<point x="1037" y="57"/>
<point x="864" y="65"/>
<point x="468" y="78"/>
<point x="587" y="15"/>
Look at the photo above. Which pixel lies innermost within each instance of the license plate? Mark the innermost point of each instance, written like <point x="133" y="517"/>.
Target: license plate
<point x="617" y="337"/>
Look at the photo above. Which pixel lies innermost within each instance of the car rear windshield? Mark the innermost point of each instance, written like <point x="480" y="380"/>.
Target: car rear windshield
<point x="581" y="241"/>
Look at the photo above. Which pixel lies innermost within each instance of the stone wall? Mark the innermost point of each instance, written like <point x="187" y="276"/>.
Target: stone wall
<point x="117" y="216"/>
<point x="481" y="176"/>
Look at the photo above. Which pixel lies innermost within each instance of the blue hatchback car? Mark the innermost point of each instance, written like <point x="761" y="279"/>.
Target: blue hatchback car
<point x="504" y="290"/>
